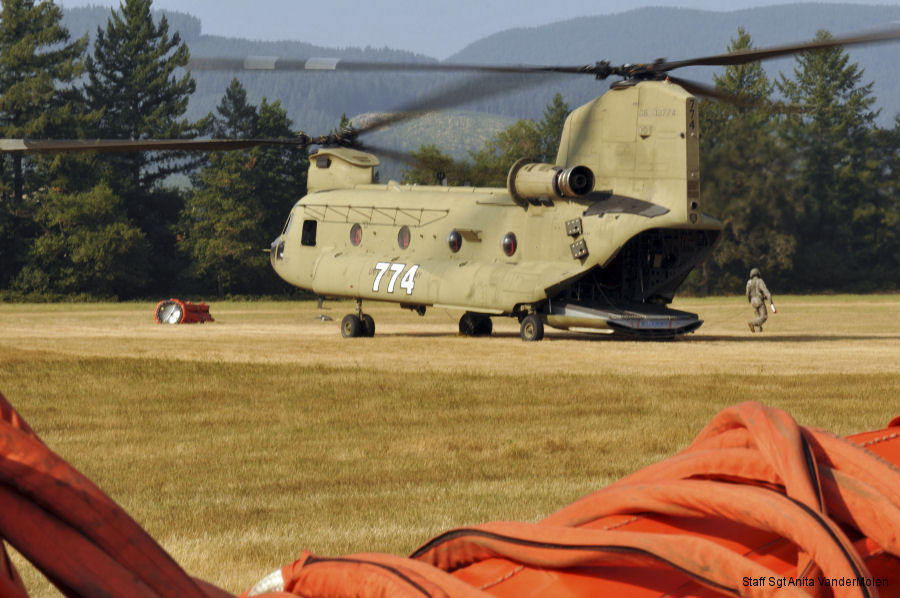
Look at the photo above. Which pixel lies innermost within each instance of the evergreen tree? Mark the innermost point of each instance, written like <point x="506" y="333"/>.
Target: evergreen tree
<point x="39" y="69"/>
<point x="134" y="82"/>
<point x="222" y="224"/>
<point x="875" y="224"/>
<point x="87" y="245"/>
<point x="235" y="117"/>
<point x="430" y="166"/>
<point x="550" y="129"/>
<point x="241" y="199"/>
<point x="490" y="165"/>
<point x="742" y="172"/>
<point x="132" y="79"/>
<point x="538" y="141"/>
<point x="832" y="180"/>
<point x="279" y="172"/>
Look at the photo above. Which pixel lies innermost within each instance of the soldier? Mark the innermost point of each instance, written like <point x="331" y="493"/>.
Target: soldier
<point x="757" y="295"/>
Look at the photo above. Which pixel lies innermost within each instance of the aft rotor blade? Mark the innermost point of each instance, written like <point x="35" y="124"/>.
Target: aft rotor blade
<point x="742" y="101"/>
<point x="275" y="63"/>
<point x="702" y="89"/>
<point x="33" y="146"/>
<point x="754" y="55"/>
<point x="600" y="70"/>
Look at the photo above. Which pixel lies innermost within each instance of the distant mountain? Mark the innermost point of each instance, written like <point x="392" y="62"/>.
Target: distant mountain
<point x="645" y="34"/>
<point x="85" y="20"/>
<point x="315" y="101"/>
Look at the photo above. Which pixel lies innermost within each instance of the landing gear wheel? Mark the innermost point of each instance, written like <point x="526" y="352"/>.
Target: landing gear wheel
<point x="471" y="324"/>
<point x="368" y="326"/>
<point x="467" y="324"/>
<point x="532" y="328"/>
<point x="351" y="326"/>
<point x="485" y="326"/>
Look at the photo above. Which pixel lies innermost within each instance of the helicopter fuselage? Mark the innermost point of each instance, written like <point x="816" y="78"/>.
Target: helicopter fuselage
<point x="610" y="258"/>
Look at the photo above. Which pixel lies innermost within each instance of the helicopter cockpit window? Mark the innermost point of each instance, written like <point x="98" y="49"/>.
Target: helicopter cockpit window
<point x="308" y="237"/>
<point x="454" y="240"/>
<point x="403" y="237"/>
<point x="356" y="234"/>
<point x="287" y="225"/>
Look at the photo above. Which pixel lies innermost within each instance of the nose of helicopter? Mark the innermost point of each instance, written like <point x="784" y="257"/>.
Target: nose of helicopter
<point x="276" y="252"/>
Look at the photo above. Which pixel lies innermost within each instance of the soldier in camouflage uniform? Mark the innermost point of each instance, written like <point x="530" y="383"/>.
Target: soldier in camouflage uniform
<point x="757" y="295"/>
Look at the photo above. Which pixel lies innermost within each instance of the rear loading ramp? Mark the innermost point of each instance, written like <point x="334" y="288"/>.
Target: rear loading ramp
<point x="639" y="321"/>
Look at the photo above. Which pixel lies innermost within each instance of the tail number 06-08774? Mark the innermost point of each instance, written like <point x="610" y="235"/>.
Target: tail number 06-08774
<point x="407" y="282"/>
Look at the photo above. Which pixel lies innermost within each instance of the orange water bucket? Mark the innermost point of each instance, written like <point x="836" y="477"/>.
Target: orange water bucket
<point x="176" y="311"/>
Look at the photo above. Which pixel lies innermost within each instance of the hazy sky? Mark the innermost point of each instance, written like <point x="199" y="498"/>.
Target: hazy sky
<point x="436" y="29"/>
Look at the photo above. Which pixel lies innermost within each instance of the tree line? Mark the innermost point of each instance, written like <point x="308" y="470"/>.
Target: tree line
<point x="805" y="186"/>
<point x="106" y="225"/>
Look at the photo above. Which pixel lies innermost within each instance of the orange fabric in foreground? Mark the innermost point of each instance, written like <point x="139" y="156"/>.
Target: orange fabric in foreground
<point x="756" y="506"/>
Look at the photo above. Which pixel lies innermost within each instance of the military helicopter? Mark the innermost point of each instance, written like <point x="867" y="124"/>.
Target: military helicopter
<point x="598" y="241"/>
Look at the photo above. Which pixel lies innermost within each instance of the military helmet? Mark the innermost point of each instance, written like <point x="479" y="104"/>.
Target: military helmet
<point x="754" y="272"/>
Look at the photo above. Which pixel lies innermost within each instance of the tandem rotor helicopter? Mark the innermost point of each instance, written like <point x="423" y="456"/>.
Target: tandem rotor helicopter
<point x="598" y="241"/>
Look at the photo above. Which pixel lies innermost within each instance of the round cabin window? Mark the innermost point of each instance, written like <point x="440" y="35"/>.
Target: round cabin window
<point x="403" y="237"/>
<point x="356" y="235"/>
<point x="510" y="244"/>
<point x="454" y="240"/>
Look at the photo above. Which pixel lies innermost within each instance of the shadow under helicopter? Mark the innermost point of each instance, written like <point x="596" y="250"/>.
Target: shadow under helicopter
<point x="555" y="336"/>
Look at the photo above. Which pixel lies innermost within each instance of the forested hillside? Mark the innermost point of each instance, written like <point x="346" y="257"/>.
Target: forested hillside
<point x="315" y="101"/>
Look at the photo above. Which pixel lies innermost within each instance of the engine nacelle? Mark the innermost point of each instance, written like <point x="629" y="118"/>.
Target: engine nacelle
<point x="529" y="180"/>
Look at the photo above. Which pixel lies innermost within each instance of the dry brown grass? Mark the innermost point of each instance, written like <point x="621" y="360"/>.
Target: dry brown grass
<point x="238" y="443"/>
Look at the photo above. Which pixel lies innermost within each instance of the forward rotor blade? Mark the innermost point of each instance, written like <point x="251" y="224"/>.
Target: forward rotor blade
<point x="38" y="146"/>
<point x="32" y="146"/>
<point x="469" y="90"/>
<point x="746" y="56"/>
<point x="391" y="154"/>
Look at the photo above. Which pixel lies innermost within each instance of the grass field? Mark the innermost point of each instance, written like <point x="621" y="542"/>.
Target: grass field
<point x="239" y="443"/>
